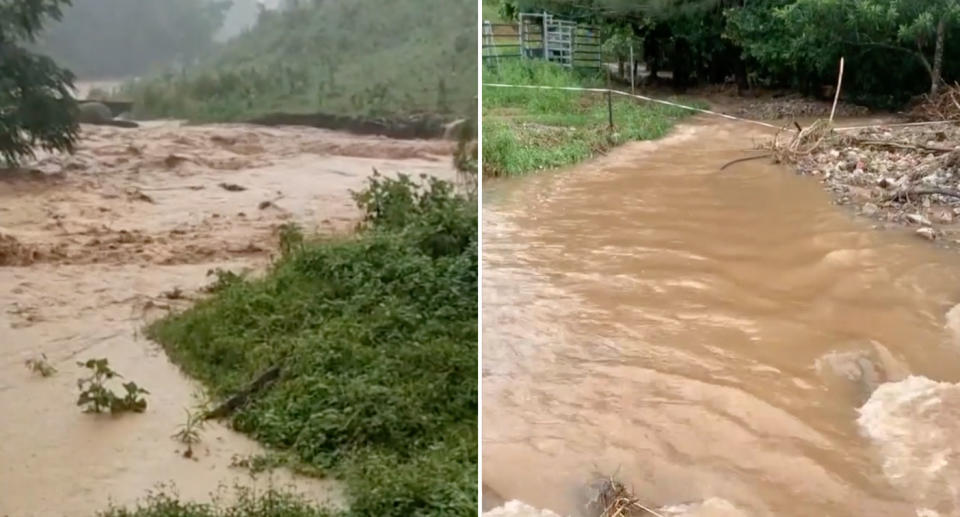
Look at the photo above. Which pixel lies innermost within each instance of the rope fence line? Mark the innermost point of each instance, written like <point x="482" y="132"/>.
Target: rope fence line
<point x="701" y="110"/>
<point x="642" y="97"/>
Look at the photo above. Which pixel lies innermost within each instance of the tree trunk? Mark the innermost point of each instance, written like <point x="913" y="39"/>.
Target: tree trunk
<point x="937" y="71"/>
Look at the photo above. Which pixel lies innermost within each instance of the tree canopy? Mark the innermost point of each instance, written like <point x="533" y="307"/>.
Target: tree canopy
<point x="894" y="49"/>
<point x="36" y="106"/>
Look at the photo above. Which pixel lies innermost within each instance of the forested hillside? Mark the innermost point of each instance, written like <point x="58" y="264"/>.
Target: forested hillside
<point x="363" y="57"/>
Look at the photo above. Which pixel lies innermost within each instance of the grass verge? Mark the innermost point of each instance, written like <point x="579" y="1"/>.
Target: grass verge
<point x="526" y="130"/>
<point x="375" y="336"/>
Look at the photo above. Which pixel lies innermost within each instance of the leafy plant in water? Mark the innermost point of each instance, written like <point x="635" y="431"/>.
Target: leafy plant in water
<point x="224" y="279"/>
<point x="291" y="238"/>
<point x="41" y="366"/>
<point x="95" y="396"/>
<point x="189" y="432"/>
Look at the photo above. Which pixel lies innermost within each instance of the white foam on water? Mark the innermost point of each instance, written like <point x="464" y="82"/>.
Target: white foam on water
<point x="914" y="424"/>
<point x="712" y="507"/>
<point x="518" y="509"/>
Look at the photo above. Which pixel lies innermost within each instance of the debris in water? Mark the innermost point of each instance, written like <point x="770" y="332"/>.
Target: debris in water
<point x="614" y="500"/>
<point x="138" y="195"/>
<point x="173" y="160"/>
<point x="14" y="253"/>
<point x="232" y="187"/>
<point x="174" y="294"/>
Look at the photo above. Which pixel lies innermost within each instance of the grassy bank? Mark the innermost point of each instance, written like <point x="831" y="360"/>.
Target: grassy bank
<point x="375" y="337"/>
<point x="526" y="130"/>
<point x="362" y="58"/>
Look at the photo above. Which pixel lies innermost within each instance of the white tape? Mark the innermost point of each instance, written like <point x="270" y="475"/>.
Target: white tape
<point x="650" y="99"/>
<point x="708" y="112"/>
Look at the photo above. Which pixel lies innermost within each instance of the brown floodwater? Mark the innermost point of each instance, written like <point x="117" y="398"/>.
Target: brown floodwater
<point x="714" y="335"/>
<point x="95" y="245"/>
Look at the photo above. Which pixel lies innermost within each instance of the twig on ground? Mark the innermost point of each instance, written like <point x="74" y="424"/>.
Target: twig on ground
<point x="906" y="194"/>
<point x="903" y="145"/>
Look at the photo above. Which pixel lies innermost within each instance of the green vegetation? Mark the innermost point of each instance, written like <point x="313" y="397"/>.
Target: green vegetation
<point x="375" y="338"/>
<point x="114" y="38"/>
<point x="526" y="130"/>
<point x="36" y="106"/>
<point x="95" y="396"/>
<point x="189" y="432"/>
<point x="894" y="49"/>
<point x="361" y="58"/>
<point x="248" y="503"/>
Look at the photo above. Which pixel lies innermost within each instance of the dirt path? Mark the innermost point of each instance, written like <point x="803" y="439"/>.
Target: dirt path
<point x="94" y="245"/>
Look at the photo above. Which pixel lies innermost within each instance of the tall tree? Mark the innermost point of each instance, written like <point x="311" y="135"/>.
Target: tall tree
<point x="36" y="105"/>
<point x="916" y="28"/>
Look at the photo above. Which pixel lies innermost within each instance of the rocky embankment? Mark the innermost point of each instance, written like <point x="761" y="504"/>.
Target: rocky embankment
<point x="896" y="175"/>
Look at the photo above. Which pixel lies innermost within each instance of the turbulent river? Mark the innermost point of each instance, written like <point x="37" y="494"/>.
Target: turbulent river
<point x="95" y="245"/>
<point x="708" y="335"/>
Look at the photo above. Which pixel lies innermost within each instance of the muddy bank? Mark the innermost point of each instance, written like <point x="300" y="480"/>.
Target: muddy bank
<point x="421" y="127"/>
<point x="93" y="246"/>
<point x="900" y="177"/>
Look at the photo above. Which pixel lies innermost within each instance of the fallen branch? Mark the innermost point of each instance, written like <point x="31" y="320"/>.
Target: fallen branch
<point x="904" y="145"/>
<point x="747" y="159"/>
<point x="906" y="194"/>
<point x="233" y="403"/>
<point x="614" y="500"/>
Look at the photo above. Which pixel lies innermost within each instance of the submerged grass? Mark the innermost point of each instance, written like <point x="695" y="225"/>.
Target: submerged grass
<point x="247" y="503"/>
<point x="527" y="129"/>
<point x="376" y="338"/>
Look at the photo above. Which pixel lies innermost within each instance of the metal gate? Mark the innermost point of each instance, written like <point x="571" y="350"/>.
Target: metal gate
<point x="542" y="36"/>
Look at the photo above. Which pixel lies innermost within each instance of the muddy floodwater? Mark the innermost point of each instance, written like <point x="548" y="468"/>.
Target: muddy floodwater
<point x="94" y="245"/>
<point x="702" y="335"/>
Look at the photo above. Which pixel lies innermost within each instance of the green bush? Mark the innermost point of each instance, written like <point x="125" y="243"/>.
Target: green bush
<point x="270" y="503"/>
<point x="376" y="335"/>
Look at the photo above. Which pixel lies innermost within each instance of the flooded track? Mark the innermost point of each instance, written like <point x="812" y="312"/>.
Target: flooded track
<point x="703" y="334"/>
<point x="94" y="245"/>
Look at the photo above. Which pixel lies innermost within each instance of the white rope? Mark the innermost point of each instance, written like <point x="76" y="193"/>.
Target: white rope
<point x="700" y="110"/>
<point x="650" y="99"/>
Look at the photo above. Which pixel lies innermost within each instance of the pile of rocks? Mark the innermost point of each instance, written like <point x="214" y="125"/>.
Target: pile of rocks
<point x="900" y="175"/>
<point x="794" y="106"/>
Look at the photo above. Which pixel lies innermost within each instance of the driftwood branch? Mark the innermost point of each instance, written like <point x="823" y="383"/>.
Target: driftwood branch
<point x="747" y="159"/>
<point x="906" y="194"/>
<point x="904" y="145"/>
<point x="233" y="403"/>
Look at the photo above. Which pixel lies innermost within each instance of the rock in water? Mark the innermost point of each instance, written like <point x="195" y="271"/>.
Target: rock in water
<point x="927" y="233"/>
<point x="99" y="114"/>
